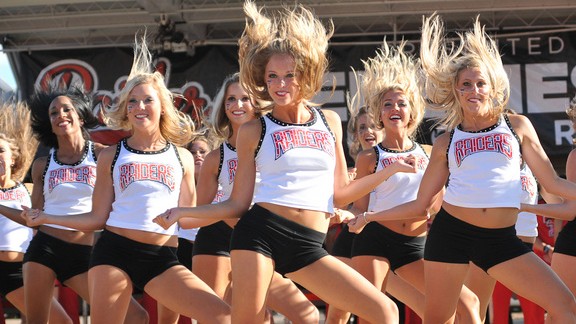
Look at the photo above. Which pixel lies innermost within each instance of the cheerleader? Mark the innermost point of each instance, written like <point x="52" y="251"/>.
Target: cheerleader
<point x="233" y="107"/>
<point x="63" y="184"/>
<point x="17" y="148"/>
<point x="479" y="158"/>
<point x="138" y="177"/>
<point x="297" y="151"/>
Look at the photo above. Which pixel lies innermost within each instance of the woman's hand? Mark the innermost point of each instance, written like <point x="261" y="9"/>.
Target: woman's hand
<point x="341" y="216"/>
<point x="357" y="224"/>
<point x="352" y="172"/>
<point x="407" y="164"/>
<point x="33" y="217"/>
<point x="168" y="218"/>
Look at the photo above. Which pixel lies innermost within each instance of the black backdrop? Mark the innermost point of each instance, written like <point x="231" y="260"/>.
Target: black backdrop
<point x="541" y="69"/>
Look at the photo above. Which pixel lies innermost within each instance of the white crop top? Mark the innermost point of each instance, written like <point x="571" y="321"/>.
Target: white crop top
<point x="13" y="236"/>
<point x="484" y="167"/>
<point x="188" y="233"/>
<point x="68" y="187"/>
<point x="226" y="171"/>
<point x="527" y="223"/>
<point x="401" y="187"/>
<point x="146" y="184"/>
<point x="296" y="164"/>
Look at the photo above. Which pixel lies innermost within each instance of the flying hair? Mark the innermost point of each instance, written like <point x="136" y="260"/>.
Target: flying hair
<point x="442" y="60"/>
<point x="295" y="32"/>
<point x="393" y="69"/>
<point x="356" y="108"/>
<point x="40" y="101"/>
<point x="175" y="126"/>
<point x="15" y="129"/>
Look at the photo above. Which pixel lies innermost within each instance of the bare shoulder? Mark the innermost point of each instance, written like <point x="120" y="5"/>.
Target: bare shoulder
<point x="520" y="123"/>
<point x="517" y="119"/>
<point x="40" y="162"/>
<point x="185" y="155"/>
<point x="442" y="141"/>
<point x="571" y="160"/>
<point x="366" y="159"/>
<point x="38" y="166"/>
<point x="367" y="153"/>
<point x="98" y="147"/>
<point x="250" y="130"/>
<point x="427" y="148"/>
<point x="212" y="159"/>
<point x="331" y="116"/>
<point x="571" y="166"/>
<point x="334" y="122"/>
<point x="107" y="154"/>
<point x="440" y="146"/>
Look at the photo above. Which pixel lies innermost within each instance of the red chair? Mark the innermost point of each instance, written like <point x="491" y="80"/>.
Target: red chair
<point x="151" y="306"/>
<point x="411" y="317"/>
<point x="2" y="321"/>
<point x="69" y="301"/>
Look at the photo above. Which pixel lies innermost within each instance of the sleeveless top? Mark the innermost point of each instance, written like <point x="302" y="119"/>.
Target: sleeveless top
<point x="401" y="187"/>
<point x="188" y="233"/>
<point x="13" y="236"/>
<point x="527" y="223"/>
<point x="484" y="167"/>
<point x="146" y="184"/>
<point x="226" y="171"/>
<point x="296" y="163"/>
<point x="68" y="187"/>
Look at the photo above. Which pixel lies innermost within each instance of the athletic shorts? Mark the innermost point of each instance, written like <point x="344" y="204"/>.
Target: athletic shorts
<point x="343" y="243"/>
<point x="566" y="241"/>
<point x="380" y="241"/>
<point x="451" y="240"/>
<point x="213" y="239"/>
<point x="290" y="245"/>
<point x="184" y="252"/>
<point x="142" y="262"/>
<point x="65" y="259"/>
<point x="10" y="277"/>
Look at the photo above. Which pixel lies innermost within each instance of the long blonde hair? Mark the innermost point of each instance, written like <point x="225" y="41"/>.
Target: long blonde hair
<point x="393" y="69"/>
<point x="295" y="32"/>
<point x="443" y="60"/>
<point x="15" y="129"/>
<point x="175" y="126"/>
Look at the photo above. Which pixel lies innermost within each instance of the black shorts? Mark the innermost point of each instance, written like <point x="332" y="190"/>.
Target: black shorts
<point x="343" y="243"/>
<point x="451" y="240"/>
<point x="10" y="277"/>
<point x="184" y="252"/>
<point x="213" y="239"/>
<point x="141" y="262"/>
<point x="378" y="240"/>
<point x="65" y="259"/>
<point x="566" y="241"/>
<point x="291" y="245"/>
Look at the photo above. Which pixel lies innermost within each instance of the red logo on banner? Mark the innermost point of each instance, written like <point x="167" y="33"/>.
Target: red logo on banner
<point x="69" y="72"/>
<point x="193" y="100"/>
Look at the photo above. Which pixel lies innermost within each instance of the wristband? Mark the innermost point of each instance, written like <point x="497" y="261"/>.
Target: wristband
<point x="546" y="248"/>
<point x="364" y="217"/>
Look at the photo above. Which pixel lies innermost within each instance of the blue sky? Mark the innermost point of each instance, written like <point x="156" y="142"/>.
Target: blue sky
<point x="6" y="72"/>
